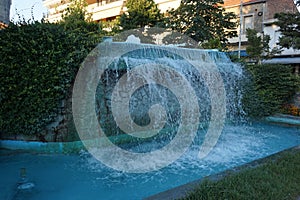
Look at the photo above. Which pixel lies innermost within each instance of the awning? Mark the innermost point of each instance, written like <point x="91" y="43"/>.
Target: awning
<point x="243" y="53"/>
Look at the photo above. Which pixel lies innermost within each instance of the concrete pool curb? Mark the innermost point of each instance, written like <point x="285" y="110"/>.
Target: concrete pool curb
<point x="58" y="147"/>
<point x="183" y="190"/>
<point x="76" y="146"/>
<point x="284" y="119"/>
<point x="66" y="147"/>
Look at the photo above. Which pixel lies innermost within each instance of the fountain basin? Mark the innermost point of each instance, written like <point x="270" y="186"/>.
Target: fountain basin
<point x="60" y="176"/>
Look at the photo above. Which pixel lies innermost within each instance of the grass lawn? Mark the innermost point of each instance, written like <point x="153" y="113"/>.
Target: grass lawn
<point x="276" y="179"/>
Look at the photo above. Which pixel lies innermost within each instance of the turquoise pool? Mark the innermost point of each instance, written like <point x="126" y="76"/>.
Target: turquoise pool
<point x="80" y="176"/>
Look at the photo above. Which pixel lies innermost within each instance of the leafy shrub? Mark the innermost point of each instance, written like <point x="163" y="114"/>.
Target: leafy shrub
<point x="268" y="89"/>
<point x="291" y="109"/>
<point x="38" y="65"/>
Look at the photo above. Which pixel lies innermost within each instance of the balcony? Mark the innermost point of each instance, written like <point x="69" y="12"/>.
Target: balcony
<point x="111" y="8"/>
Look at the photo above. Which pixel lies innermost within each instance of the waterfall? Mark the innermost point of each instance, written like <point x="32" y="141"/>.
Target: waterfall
<point x="135" y="93"/>
<point x="150" y="93"/>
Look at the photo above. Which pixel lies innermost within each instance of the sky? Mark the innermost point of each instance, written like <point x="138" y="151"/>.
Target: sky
<point x="24" y="8"/>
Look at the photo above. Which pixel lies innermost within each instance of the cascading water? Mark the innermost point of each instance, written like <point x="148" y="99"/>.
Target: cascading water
<point x="162" y="94"/>
<point x="233" y="77"/>
<point x="150" y="93"/>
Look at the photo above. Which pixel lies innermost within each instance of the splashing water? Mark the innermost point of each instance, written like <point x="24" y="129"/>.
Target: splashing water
<point x="148" y="92"/>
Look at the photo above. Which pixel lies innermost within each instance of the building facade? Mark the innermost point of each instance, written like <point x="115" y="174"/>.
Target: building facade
<point x="4" y="11"/>
<point x="258" y="15"/>
<point x="102" y="10"/>
<point x="253" y="14"/>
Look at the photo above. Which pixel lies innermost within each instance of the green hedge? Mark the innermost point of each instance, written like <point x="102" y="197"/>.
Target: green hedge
<point x="38" y="64"/>
<point x="269" y="87"/>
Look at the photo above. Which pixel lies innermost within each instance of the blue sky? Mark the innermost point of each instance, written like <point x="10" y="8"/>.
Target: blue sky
<point x="24" y="9"/>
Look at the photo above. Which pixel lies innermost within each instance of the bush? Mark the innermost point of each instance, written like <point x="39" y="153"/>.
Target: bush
<point x="38" y="65"/>
<point x="268" y="89"/>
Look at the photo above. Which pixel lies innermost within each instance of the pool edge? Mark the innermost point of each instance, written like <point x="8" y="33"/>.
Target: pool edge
<point x="58" y="147"/>
<point x="182" y="190"/>
<point x="284" y="119"/>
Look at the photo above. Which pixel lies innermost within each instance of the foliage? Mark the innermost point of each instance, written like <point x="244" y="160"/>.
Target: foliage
<point x="291" y="109"/>
<point x="258" y="45"/>
<point x="140" y="13"/>
<point x="38" y="66"/>
<point x="76" y="11"/>
<point x="269" y="88"/>
<point x="77" y="19"/>
<point x="289" y="24"/>
<point x="278" y="178"/>
<point x="112" y="27"/>
<point x="203" y="20"/>
<point x="213" y="43"/>
<point x="81" y="29"/>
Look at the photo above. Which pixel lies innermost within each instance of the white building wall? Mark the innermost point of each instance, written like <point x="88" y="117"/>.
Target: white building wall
<point x="101" y="11"/>
<point x="272" y="30"/>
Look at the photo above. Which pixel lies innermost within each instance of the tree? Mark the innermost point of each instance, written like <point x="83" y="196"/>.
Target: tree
<point x="76" y="18"/>
<point x="79" y="24"/>
<point x="203" y="20"/>
<point x="213" y="43"/>
<point x="289" y="24"/>
<point x="112" y="26"/>
<point x="258" y="45"/>
<point x="140" y="13"/>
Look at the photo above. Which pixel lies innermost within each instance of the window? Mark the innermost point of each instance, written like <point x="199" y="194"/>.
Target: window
<point x="247" y="23"/>
<point x="110" y="1"/>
